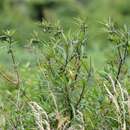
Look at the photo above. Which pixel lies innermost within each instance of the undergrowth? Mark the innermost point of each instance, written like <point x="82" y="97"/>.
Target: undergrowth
<point x="63" y="91"/>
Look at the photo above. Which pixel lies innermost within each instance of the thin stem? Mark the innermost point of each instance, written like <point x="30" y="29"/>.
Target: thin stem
<point x="69" y="102"/>
<point x="83" y="88"/>
<point x="5" y="76"/>
<point x="121" y="62"/>
<point x="14" y="62"/>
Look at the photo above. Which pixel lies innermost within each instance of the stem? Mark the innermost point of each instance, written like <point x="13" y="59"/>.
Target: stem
<point x="78" y="65"/>
<point x="14" y="62"/>
<point x="80" y="97"/>
<point x="122" y="60"/>
<point x="68" y="102"/>
<point x="5" y="76"/>
<point x="83" y="88"/>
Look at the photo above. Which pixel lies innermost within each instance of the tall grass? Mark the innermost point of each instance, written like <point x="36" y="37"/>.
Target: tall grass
<point x="63" y="91"/>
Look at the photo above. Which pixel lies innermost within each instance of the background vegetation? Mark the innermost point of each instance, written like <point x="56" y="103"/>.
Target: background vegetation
<point x="64" y="65"/>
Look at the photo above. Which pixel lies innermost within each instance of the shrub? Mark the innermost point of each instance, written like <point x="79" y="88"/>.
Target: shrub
<point x="63" y="92"/>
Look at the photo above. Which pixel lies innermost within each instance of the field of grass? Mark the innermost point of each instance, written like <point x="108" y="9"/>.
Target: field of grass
<point x="67" y="69"/>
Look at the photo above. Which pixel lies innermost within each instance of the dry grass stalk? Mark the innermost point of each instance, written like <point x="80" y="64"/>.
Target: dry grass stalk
<point x="119" y="103"/>
<point x="41" y="117"/>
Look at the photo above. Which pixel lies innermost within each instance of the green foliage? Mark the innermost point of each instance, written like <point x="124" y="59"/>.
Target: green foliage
<point x="67" y="75"/>
<point x="62" y="90"/>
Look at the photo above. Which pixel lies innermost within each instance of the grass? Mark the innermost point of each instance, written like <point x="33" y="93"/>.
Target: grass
<point x="59" y="88"/>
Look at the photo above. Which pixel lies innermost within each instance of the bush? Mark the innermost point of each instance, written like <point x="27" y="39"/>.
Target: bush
<point x="63" y="91"/>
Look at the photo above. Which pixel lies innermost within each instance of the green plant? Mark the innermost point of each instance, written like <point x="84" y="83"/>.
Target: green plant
<point x="61" y="89"/>
<point x="64" y="67"/>
<point x="7" y="38"/>
<point x="116" y="74"/>
<point x="120" y="37"/>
